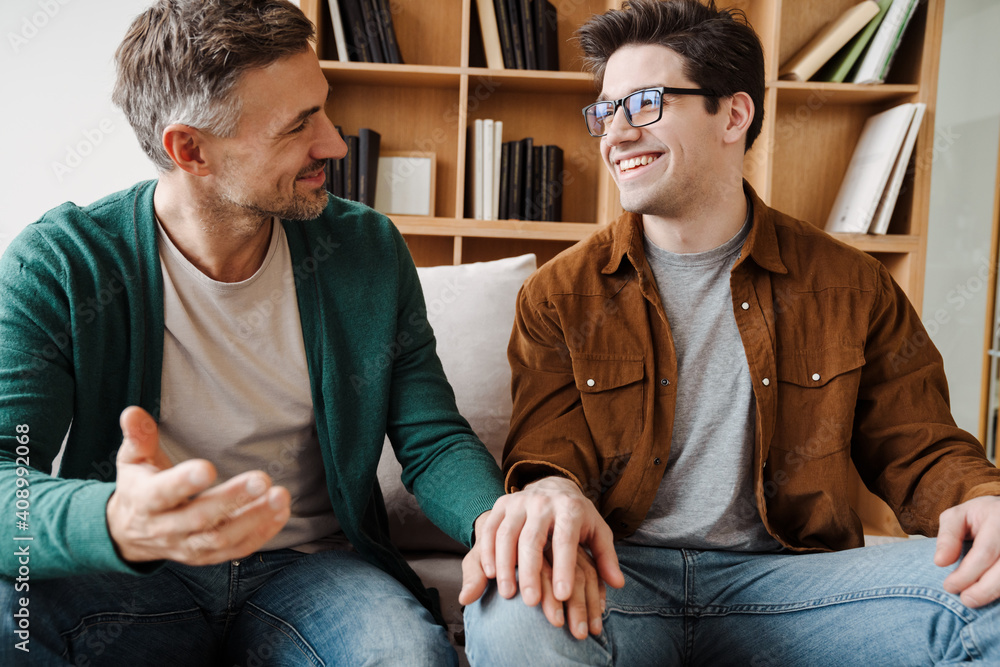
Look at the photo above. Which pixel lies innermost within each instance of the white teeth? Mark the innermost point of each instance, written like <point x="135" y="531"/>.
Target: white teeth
<point x="632" y="163"/>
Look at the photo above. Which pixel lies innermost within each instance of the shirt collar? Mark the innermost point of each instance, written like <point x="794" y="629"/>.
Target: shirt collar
<point x="761" y="244"/>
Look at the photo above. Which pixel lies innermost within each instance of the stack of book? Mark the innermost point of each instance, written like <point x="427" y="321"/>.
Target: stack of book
<point x="868" y="193"/>
<point x="513" y="180"/>
<point x="355" y="175"/>
<point x="519" y="34"/>
<point x="363" y="31"/>
<point x="858" y="46"/>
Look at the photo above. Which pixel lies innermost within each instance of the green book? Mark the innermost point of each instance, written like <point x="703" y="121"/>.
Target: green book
<point x="840" y="64"/>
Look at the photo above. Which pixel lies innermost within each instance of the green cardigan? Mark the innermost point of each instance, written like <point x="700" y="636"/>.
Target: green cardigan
<point x="81" y="338"/>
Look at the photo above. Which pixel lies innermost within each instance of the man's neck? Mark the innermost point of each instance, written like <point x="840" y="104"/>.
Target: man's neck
<point x="701" y="227"/>
<point x="224" y="244"/>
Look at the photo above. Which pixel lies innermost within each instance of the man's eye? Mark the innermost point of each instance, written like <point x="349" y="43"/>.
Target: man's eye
<point x="300" y="127"/>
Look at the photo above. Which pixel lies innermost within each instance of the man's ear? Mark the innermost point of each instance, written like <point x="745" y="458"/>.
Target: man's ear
<point x="184" y="144"/>
<point x="740" y="115"/>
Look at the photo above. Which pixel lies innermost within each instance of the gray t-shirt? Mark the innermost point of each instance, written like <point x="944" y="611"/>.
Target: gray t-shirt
<point x="706" y="500"/>
<point x="235" y="387"/>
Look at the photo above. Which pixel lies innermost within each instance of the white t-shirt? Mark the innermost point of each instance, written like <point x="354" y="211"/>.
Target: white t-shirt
<point x="235" y="387"/>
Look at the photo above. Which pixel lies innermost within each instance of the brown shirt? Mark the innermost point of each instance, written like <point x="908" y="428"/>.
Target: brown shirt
<point x="842" y="371"/>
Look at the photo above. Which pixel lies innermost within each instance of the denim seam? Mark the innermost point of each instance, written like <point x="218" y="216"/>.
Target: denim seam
<point x="105" y="618"/>
<point x="286" y="629"/>
<point x="967" y="615"/>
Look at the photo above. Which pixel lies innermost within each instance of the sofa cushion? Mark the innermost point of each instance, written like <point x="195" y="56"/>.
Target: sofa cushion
<point x="471" y="308"/>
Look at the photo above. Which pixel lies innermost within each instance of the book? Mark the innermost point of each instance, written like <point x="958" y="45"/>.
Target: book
<point x="486" y="158"/>
<point x="535" y="211"/>
<point x="516" y="32"/>
<point x="878" y="57"/>
<point x="554" y="183"/>
<point x="837" y="69"/>
<point x="547" y="35"/>
<point x="351" y="168"/>
<point x="477" y="169"/>
<point x="527" y="14"/>
<point x="354" y="27"/>
<point x="376" y="50"/>
<point x="497" y="158"/>
<point x="527" y="180"/>
<point x="868" y="171"/>
<point x="339" y="39"/>
<point x="369" y="142"/>
<point x="504" y="181"/>
<point x="491" y="34"/>
<point x="883" y="214"/>
<point x="335" y="184"/>
<point x="506" y="39"/>
<point x="828" y="41"/>
<point x="387" y="32"/>
<point x="515" y="202"/>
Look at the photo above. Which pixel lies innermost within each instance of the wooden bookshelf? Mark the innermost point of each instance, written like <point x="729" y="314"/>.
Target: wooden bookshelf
<point x="796" y="166"/>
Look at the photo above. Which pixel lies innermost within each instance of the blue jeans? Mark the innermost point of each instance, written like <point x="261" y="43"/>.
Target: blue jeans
<point x="269" y="609"/>
<point x="870" y="607"/>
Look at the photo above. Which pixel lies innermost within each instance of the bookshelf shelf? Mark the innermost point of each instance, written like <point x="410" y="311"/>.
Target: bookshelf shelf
<point x="808" y="136"/>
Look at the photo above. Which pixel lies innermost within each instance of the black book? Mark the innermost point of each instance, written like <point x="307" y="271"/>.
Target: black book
<point x="516" y="32"/>
<point x="553" y="183"/>
<point x="388" y="32"/>
<point x="354" y="30"/>
<point x="537" y="212"/>
<point x="515" y="204"/>
<point x="335" y="182"/>
<point x="546" y="35"/>
<point x="528" y="191"/>
<point x="470" y="171"/>
<point x="504" y="179"/>
<point x="543" y="193"/>
<point x="376" y="50"/>
<point x="351" y="168"/>
<point x="506" y="39"/>
<point x="527" y="13"/>
<point x="368" y="148"/>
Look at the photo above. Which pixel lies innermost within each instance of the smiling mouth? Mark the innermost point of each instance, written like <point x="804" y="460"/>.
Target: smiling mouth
<point x="313" y="174"/>
<point x="625" y="166"/>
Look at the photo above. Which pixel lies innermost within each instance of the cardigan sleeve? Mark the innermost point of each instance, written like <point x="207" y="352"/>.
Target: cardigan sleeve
<point x="445" y="465"/>
<point x="53" y="527"/>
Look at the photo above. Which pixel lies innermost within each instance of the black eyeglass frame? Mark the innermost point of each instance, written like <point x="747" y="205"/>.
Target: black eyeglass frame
<point x="662" y="90"/>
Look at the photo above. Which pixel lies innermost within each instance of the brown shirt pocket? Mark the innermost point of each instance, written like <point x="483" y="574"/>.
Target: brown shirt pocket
<point x="611" y="392"/>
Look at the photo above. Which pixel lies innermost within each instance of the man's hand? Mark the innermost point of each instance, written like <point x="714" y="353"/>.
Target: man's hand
<point x="977" y="578"/>
<point x="160" y="511"/>
<point x="516" y="534"/>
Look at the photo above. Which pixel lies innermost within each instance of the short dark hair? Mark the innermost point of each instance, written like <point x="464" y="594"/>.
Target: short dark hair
<point x="181" y="59"/>
<point x="721" y="52"/>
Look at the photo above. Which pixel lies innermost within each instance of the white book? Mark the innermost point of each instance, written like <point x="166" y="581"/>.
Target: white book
<point x="338" y="31"/>
<point x="497" y="145"/>
<point x="878" y="56"/>
<point x="477" y="169"/>
<point x="488" y="134"/>
<point x="883" y="214"/>
<point x="868" y="172"/>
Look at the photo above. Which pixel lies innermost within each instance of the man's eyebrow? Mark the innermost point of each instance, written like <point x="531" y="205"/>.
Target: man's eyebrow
<point x="306" y="113"/>
<point x="604" y="98"/>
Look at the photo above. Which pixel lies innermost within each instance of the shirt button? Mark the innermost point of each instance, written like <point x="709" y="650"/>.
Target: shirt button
<point x="656" y="461"/>
<point x="590" y="382"/>
<point x="745" y="306"/>
<point x="815" y="377"/>
<point x="765" y="382"/>
<point x="664" y="382"/>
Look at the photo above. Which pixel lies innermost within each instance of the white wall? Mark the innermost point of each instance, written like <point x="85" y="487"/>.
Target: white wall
<point x="963" y="178"/>
<point x="56" y="75"/>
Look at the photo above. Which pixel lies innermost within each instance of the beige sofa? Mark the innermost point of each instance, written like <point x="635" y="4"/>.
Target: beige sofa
<point x="471" y="308"/>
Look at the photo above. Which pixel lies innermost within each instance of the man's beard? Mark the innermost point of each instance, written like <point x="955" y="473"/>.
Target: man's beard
<point x="300" y="206"/>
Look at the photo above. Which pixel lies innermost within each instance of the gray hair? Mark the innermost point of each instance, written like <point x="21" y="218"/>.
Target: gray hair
<point x="181" y="59"/>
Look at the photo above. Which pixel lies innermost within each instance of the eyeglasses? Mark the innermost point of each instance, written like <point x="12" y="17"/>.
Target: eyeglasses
<point x="643" y="107"/>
